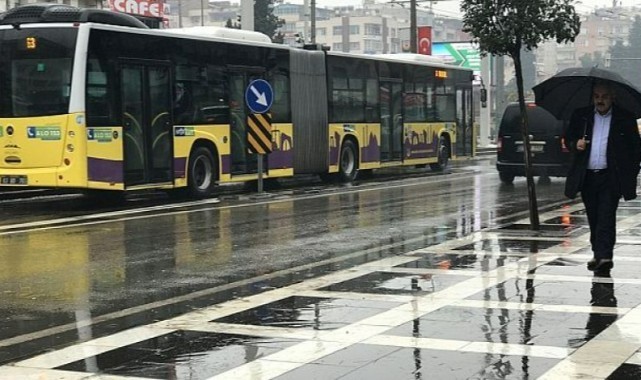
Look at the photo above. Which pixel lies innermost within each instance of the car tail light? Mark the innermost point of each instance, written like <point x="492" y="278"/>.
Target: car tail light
<point x="564" y="148"/>
<point x="499" y="144"/>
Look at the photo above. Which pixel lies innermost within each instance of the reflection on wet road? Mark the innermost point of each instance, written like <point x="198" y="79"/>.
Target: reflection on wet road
<point x="311" y="265"/>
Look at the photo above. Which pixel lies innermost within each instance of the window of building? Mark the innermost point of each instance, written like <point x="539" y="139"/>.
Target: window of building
<point x="373" y="29"/>
<point x="337" y="30"/>
<point x="354" y="29"/>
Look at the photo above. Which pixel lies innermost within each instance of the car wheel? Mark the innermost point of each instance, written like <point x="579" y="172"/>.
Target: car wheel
<point x="506" y="177"/>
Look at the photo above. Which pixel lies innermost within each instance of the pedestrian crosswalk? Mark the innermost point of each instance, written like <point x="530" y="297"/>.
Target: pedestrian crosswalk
<point x="482" y="306"/>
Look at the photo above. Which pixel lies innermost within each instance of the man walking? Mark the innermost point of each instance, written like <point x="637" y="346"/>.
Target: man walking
<point x="607" y="151"/>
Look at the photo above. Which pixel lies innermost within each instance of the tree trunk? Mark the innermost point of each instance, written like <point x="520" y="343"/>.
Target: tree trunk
<point x="527" y="155"/>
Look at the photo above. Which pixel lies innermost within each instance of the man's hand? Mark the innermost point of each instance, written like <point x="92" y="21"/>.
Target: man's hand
<point x="581" y="144"/>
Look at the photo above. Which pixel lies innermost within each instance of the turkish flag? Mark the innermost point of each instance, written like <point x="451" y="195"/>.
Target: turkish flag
<point x="425" y="40"/>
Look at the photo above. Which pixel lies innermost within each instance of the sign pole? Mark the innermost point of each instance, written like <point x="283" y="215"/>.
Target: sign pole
<point x="259" y="96"/>
<point x="260" y="174"/>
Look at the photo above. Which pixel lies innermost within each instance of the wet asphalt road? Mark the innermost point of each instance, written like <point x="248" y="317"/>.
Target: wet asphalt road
<point x="65" y="259"/>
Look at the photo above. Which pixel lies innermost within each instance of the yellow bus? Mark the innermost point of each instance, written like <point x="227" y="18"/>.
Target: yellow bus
<point x="92" y="99"/>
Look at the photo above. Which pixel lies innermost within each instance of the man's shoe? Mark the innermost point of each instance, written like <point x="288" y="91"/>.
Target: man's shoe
<point x="592" y="264"/>
<point x="603" y="265"/>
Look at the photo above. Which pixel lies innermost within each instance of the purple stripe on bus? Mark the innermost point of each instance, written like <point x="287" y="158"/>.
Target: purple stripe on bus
<point x="371" y="152"/>
<point x="101" y="170"/>
<point x="180" y="167"/>
<point x="415" y="147"/>
<point x="279" y="159"/>
<point x="225" y="161"/>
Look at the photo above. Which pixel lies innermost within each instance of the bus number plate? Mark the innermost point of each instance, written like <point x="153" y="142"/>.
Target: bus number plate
<point x="13" y="180"/>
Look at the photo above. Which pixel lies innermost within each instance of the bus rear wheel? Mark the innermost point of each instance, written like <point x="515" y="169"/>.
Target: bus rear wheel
<point x="348" y="162"/>
<point x="201" y="173"/>
<point x="443" y="156"/>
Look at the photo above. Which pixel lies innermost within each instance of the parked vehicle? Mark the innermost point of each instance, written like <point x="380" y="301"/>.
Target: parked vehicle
<point x="550" y="156"/>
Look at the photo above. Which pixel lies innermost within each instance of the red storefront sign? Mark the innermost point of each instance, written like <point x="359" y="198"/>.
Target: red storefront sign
<point x="148" y="8"/>
<point x="425" y="40"/>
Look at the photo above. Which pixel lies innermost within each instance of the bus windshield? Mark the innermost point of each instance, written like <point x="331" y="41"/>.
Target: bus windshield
<point x="35" y="71"/>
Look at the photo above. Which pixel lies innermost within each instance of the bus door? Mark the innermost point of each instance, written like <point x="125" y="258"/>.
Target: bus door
<point x="146" y="98"/>
<point x="464" y="121"/>
<point x="242" y="160"/>
<point x="391" y="121"/>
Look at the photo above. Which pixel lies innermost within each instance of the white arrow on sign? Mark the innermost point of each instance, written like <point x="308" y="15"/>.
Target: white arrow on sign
<point x="262" y="100"/>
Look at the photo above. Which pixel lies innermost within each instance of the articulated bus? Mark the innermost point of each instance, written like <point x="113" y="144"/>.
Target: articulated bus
<point x="94" y="100"/>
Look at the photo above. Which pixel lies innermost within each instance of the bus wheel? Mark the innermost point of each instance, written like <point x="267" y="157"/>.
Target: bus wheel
<point x="348" y="165"/>
<point x="443" y="156"/>
<point x="201" y="173"/>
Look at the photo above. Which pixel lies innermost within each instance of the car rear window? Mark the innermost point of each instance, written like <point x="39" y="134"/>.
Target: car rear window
<point x="539" y="120"/>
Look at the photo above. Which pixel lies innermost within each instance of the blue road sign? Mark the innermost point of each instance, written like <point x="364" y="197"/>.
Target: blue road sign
<point x="259" y="96"/>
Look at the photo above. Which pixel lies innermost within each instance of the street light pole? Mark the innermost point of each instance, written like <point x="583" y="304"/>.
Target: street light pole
<point x="202" y="12"/>
<point x="413" y="28"/>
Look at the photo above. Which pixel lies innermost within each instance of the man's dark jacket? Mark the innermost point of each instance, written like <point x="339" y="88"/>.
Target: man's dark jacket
<point x="623" y="152"/>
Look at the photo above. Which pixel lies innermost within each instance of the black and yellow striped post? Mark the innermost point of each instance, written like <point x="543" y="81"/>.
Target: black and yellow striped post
<point x="259" y="138"/>
<point x="259" y="133"/>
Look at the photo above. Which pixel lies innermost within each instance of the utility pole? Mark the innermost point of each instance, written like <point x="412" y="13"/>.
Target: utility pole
<point x="413" y="22"/>
<point x="247" y="14"/>
<point x="312" y="16"/>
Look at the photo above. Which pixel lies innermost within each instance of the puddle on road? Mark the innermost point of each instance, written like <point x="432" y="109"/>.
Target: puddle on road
<point x="568" y="220"/>
<point x="362" y="361"/>
<point x="181" y="355"/>
<point x="626" y="372"/>
<point x="309" y="313"/>
<point x="596" y="293"/>
<point x="533" y="327"/>
<point x="546" y="230"/>
<point x="480" y="262"/>
<point x="396" y="283"/>
<point x="621" y="212"/>
<point x="508" y="245"/>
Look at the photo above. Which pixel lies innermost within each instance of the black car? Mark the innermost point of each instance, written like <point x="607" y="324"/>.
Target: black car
<point x="550" y="156"/>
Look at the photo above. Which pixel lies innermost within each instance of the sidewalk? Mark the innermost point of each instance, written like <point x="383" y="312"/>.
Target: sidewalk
<point x="480" y="307"/>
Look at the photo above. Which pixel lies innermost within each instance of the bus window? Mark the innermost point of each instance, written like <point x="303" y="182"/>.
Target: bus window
<point x="98" y="104"/>
<point x="36" y="71"/>
<point x="41" y="86"/>
<point x="201" y="94"/>
<point x="280" y="109"/>
<point x="414" y="107"/>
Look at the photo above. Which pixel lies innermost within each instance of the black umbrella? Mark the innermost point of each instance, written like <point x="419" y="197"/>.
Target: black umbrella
<point x="572" y="88"/>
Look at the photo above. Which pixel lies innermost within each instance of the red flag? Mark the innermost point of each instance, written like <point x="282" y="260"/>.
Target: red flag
<point x="425" y="40"/>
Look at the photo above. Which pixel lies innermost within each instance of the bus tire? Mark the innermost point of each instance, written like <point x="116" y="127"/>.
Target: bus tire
<point x="443" y="156"/>
<point x="202" y="173"/>
<point x="347" y="162"/>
